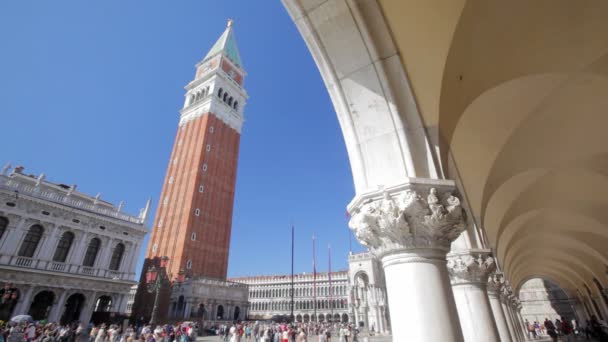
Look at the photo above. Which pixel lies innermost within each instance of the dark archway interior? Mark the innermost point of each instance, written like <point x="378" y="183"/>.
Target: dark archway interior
<point x="41" y="305"/>
<point x="73" y="308"/>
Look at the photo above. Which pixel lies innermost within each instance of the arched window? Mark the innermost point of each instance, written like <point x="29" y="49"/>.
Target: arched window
<point x="63" y="247"/>
<point x="30" y="243"/>
<point x="3" y="225"/>
<point x="236" y="105"/>
<point x="91" y="255"/>
<point x="119" y="250"/>
<point x="220" y="93"/>
<point x="225" y="97"/>
<point x="230" y="101"/>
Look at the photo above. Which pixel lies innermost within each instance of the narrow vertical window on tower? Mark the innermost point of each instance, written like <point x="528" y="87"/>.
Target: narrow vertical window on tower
<point x="189" y="264"/>
<point x="211" y="129"/>
<point x="197" y="212"/>
<point x="208" y="148"/>
<point x="193" y="237"/>
<point x="205" y="167"/>
<point x="201" y="188"/>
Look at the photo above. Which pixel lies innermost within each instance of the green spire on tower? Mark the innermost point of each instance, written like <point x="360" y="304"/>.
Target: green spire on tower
<point x="226" y="45"/>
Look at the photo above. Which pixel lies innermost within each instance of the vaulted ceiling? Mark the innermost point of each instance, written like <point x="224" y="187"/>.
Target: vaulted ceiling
<point x="516" y="93"/>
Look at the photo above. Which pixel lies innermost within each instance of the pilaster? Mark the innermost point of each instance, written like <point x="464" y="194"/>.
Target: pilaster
<point x="410" y="228"/>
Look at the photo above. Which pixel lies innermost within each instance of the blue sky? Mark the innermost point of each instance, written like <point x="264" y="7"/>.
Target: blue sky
<point x="90" y="93"/>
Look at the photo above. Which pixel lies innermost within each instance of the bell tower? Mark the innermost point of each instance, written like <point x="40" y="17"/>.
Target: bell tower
<point x="194" y="214"/>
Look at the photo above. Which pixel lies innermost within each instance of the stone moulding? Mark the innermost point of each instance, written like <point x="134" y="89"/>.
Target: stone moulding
<point x="419" y="214"/>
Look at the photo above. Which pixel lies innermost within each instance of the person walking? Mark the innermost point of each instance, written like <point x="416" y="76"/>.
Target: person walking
<point x="550" y="330"/>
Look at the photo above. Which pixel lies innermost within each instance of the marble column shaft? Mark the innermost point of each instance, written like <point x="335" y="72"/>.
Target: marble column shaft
<point x="495" y="284"/>
<point x="469" y="271"/>
<point x="410" y="229"/>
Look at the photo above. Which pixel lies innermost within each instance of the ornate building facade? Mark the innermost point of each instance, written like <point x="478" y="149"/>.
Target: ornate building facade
<point x="209" y="300"/>
<point x="194" y="215"/>
<point x="64" y="255"/>
<point x="357" y="295"/>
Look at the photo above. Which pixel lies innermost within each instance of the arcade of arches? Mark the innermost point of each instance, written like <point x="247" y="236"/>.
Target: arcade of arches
<point x="475" y="133"/>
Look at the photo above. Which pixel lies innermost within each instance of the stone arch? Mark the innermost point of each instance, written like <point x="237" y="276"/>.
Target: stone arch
<point x="220" y="312"/>
<point x="40" y="307"/>
<point x="73" y="308"/>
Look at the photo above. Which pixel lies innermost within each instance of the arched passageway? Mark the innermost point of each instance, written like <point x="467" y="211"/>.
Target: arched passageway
<point x="41" y="305"/>
<point x="543" y="299"/>
<point x="506" y="125"/>
<point x="237" y="313"/>
<point x="103" y="309"/>
<point x="73" y="308"/>
<point x="220" y="312"/>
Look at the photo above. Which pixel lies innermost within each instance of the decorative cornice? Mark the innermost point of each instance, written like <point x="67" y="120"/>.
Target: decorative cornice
<point x="389" y="221"/>
<point x="212" y="105"/>
<point x="471" y="268"/>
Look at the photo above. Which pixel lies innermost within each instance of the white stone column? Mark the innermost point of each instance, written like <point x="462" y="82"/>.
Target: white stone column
<point x="469" y="273"/>
<point x="88" y="307"/>
<point x="58" y="306"/>
<point x="504" y="302"/>
<point x="14" y="234"/>
<point x="80" y="248"/>
<point x="47" y="246"/>
<point x="134" y="258"/>
<point x="104" y="257"/>
<point x="23" y="306"/>
<point x="514" y="301"/>
<point x="494" y="290"/>
<point x="410" y="228"/>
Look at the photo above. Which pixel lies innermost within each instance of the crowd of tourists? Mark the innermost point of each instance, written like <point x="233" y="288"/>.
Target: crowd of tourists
<point x="283" y="332"/>
<point x="53" y="332"/>
<point x="593" y="328"/>
<point x="181" y="332"/>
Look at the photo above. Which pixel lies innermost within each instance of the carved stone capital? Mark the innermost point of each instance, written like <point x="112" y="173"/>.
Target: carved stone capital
<point x="506" y="292"/>
<point x="472" y="267"/>
<point x="419" y="214"/>
<point x="495" y="283"/>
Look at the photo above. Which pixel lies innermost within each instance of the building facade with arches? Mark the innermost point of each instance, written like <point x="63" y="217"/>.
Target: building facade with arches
<point x="64" y="256"/>
<point x="357" y="295"/>
<point x="208" y="300"/>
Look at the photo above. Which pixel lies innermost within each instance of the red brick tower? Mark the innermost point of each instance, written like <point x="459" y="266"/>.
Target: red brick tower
<point x="194" y="215"/>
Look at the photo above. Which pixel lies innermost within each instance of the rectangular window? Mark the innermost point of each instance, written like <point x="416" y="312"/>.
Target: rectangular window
<point x="201" y="188"/>
<point x="197" y="212"/>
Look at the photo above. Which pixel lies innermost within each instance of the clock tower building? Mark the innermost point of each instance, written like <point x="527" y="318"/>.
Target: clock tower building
<point x="194" y="214"/>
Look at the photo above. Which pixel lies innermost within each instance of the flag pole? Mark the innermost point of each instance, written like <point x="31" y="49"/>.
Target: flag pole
<point x="292" y="292"/>
<point x="331" y="293"/>
<point x="314" y="278"/>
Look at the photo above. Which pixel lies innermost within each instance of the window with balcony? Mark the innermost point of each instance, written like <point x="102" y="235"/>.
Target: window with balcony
<point x="91" y="254"/>
<point x="30" y="243"/>
<point x="119" y="250"/>
<point x="3" y="225"/>
<point x="63" y="247"/>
